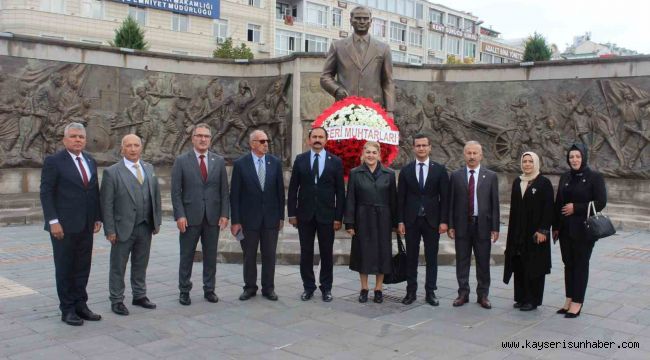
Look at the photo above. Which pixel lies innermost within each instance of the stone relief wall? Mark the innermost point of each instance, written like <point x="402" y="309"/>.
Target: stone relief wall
<point x="38" y="98"/>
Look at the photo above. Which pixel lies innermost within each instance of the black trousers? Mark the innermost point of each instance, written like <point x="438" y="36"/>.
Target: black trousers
<point x="267" y="241"/>
<point x="481" y="247"/>
<point x="209" y="235"/>
<point x="527" y="290"/>
<point x="72" y="257"/>
<point x="421" y="230"/>
<point x="307" y="231"/>
<point x="575" y="256"/>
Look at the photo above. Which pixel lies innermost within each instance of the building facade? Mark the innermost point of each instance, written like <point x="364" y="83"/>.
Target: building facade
<point x="583" y="48"/>
<point x="495" y="50"/>
<point x="418" y="31"/>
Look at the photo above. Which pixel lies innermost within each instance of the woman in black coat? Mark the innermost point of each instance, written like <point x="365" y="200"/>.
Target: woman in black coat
<point x="371" y="216"/>
<point x="528" y="250"/>
<point x="576" y="189"/>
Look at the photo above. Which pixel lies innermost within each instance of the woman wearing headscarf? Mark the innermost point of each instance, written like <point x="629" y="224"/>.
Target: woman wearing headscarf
<point x="371" y="216"/>
<point x="528" y="250"/>
<point x="577" y="187"/>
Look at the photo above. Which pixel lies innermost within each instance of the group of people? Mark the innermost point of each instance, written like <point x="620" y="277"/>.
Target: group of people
<point x="425" y="203"/>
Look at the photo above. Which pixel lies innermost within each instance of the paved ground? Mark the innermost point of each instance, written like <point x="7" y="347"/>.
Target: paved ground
<point x="617" y="309"/>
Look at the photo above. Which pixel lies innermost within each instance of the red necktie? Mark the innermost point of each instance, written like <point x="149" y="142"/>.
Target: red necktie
<point x="204" y="169"/>
<point x="471" y="193"/>
<point x="84" y="176"/>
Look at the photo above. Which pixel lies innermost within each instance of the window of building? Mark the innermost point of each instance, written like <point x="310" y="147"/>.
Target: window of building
<point x="468" y="25"/>
<point x="254" y="33"/>
<point x="453" y="21"/>
<point x="180" y="22"/>
<point x="315" y="43"/>
<point x="285" y="9"/>
<point x="435" y="16"/>
<point x="409" y="8"/>
<point x="92" y="9"/>
<point x="381" y="4"/>
<point x="336" y="17"/>
<point x="55" y="6"/>
<point x="470" y="49"/>
<point x="372" y="3"/>
<point x="453" y="45"/>
<point x="435" y="41"/>
<point x="435" y="60"/>
<point x="486" y="58"/>
<point x="415" y="37"/>
<point x="415" y="59"/>
<point x="256" y="3"/>
<point x="317" y="14"/>
<point x="398" y="56"/>
<point x="419" y="11"/>
<point x="220" y="30"/>
<point x="139" y="14"/>
<point x="287" y="42"/>
<point x="397" y="32"/>
<point x="379" y="27"/>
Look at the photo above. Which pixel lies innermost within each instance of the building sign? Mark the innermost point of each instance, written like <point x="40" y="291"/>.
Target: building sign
<point x="455" y="32"/>
<point x="470" y="36"/>
<point x="437" y="27"/>
<point x="204" y="8"/>
<point x="501" y="51"/>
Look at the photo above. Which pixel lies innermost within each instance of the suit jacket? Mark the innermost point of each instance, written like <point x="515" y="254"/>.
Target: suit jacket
<point x="326" y="200"/>
<point x="434" y="197"/>
<point x="251" y="206"/>
<point x="194" y="199"/>
<point x="64" y="197"/>
<point x="487" y="193"/>
<point x="370" y="77"/>
<point x="118" y="199"/>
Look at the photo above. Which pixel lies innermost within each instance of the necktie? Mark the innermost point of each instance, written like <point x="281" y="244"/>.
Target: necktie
<point x="421" y="178"/>
<point x="204" y="169"/>
<point x="261" y="172"/>
<point x="471" y="192"/>
<point x="138" y="173"/>
<point x="84" y="176"/>
<point x="314" y="168"/>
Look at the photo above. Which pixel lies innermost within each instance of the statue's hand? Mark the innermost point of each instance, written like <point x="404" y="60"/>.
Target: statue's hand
<point x="341" y="94"/>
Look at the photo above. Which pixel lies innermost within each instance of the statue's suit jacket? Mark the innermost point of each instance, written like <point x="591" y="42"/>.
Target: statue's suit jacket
<point x="118" y="200"/>
<point x="370" y="77"/>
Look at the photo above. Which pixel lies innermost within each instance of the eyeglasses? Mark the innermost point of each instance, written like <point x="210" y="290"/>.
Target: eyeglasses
<point x="201" y="136"/>
<point x="263" y="141"/>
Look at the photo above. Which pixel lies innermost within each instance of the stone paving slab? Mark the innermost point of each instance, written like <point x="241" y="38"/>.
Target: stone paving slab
<point x="617" y="309"/>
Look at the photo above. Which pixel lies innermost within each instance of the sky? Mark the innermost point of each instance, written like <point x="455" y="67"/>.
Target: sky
<point x="623" y="22"/>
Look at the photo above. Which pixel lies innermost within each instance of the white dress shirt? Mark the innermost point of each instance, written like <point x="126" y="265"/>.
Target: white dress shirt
<point x="425" y="169"/>
<point x="476" y="171"/>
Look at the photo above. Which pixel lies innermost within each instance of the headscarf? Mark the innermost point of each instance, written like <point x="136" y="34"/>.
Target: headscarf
<point x="525" y="179"/>
<point x="585" y="157"/>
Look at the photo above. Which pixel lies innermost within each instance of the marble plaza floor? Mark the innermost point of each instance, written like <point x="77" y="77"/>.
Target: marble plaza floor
<point x="616" y="313"/>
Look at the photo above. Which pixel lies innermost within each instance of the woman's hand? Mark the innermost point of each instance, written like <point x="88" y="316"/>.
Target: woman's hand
<point x="567" y="210"/>
<point x="540" y="238"/>
<point x="350" y="231"/>
<point x="556" y="235"/>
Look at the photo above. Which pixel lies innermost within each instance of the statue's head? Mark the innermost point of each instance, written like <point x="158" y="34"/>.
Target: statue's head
<point x="450" y="100"/>
<point x="243" y="86"/>
<point x="431" y="97"/>
<point x="141" y="92"/>
<point x="361" y="20"/>
<point x="56" y="79"/>
<point x="437" y="110"/>
<point x="627" y="94"/>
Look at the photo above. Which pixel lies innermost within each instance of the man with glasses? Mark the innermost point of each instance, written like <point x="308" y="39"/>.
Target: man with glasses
<point x="257" y="204"/>
<point x="201" y="205"/>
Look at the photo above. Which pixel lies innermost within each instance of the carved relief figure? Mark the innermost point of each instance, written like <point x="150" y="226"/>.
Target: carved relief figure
<point x="234" y="116"/>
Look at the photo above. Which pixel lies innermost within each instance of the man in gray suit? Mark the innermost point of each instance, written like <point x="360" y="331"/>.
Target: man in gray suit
<point x="130" y="200"/>
<point x="473" y="222"/>
<point x="362" y="65"/>
<point x="201" y="208"/>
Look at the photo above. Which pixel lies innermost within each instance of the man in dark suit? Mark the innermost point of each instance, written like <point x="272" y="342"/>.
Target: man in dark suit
<point x="201" y="205"/>
<point x="360" y="65"/>
<point x="70" y="200"/>
<point x="132" y="213"/>
<point x="257" y="206"/>
<point x="315" y="205"/>
<point x="473" y="222"/>
<point x="423" y="213"/>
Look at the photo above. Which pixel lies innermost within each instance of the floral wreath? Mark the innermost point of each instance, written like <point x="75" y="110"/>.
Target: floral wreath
<point x="353" y="121"/>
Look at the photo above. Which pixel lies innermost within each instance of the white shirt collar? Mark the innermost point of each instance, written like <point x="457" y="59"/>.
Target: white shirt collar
<point x="129" y="164"/>
<point x="197" y="154"/>
<point x="321" y="154"/>
<point x="425" y="162"/>
<point x="74" y="157"/>
<point x="475" y="170"/>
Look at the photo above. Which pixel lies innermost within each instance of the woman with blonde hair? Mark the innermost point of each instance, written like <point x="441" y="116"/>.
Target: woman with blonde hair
<point x="370" y="217"/>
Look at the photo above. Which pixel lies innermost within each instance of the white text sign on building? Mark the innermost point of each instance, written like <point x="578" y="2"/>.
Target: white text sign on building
<point x="204" y="8"/>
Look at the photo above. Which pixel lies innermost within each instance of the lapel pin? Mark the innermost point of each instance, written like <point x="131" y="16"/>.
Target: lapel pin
<point x="583" y="180"/>
<point x="483" y="176"/>
<point x="534" y="190"/>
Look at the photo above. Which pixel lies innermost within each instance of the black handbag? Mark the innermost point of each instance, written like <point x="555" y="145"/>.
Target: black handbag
<point x="398" y="263"/>
<point x="598" y="225"/>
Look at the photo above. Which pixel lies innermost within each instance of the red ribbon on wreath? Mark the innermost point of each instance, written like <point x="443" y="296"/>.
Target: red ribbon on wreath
<point x="349" y="150"/>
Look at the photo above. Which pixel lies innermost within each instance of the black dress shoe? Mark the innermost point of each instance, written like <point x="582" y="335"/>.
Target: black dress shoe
<point x="562" y="311"/>
<point x="85" y="313"/>
<point x="211" y="297"/>
<point x="409" y="298"/>
<point x="120" y="309"/>
<point x="484" y="302"/>
<point x="363" y="296"/>
<point x="460" y="301"/>
<point x="327" y="296"/>
<point x="71" y="318"/>
<point x="271" y="295"/>
<point x="527" y="307"/>
<point x="431" y="299"/>
<point x="570" y="315"/>
<point x="247" y="294"/>
<point x="184" y="298"/>
<point x="306" y="295"/>
<point x="517" y="305"/>
<point x="144" y="302"/>
<point x="379" y="297"/>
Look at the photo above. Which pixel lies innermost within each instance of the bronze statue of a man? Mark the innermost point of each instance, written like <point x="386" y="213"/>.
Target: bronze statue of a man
<point x="361" y="64"/>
